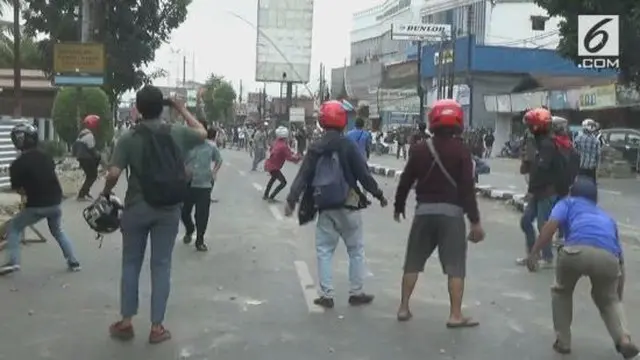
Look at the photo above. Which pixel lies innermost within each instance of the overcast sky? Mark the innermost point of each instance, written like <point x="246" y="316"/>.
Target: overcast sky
<point x="215" y="41"/>
<point x="225" y="45"/>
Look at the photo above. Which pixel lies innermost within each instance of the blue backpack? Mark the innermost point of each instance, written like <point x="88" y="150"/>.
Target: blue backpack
<point x="330" y="188"/>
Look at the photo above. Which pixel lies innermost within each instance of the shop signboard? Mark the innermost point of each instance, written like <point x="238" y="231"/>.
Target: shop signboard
<point x="491" y="103"/>
<point x="597" y="97"/>
<point x="627" y="96"/>
<point x="504" y="103"/>
<point x="558" y="100"/>
<point x="519" y="102"/>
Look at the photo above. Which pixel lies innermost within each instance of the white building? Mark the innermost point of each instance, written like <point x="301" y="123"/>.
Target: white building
<point x="513" y="23"/>
<point x="371" y="31"/>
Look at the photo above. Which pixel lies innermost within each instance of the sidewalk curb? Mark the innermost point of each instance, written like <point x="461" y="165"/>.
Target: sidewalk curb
<point x="384" y="171"/>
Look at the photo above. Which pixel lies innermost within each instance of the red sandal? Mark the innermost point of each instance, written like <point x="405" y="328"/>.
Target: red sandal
<point x="121" y="332"/>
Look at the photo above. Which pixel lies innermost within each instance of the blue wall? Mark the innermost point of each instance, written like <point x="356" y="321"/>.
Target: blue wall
<point x="505" y="60"/>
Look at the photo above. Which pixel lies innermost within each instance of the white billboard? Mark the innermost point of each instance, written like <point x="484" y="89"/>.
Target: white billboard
<point x="417" y="32"/>
<point x="296" y="115"/>
<point x="283" y="47"/>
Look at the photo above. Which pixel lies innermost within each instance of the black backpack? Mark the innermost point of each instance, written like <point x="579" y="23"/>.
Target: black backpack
<point x="567" y="165"/>
<point x="163" y="177"/>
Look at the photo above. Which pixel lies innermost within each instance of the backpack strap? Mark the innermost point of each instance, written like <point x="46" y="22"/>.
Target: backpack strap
<point x="438" y="161"/>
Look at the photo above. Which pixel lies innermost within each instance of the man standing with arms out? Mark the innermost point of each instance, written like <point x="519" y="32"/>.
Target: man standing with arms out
<point x="588" y="147"/>
<point x="442" y="169"/>
<point x="156" y="189"/>
<point x="328" y="181"/>
<point x="361" y="137"/>
<point x="87" y="154"/>
<point x="259" y="146"/>
<point x="592" y="248"/>
<point x="33" y="175"/>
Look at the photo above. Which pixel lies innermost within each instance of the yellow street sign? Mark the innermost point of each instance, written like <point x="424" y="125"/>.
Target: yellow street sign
<point x="78" y="58"/>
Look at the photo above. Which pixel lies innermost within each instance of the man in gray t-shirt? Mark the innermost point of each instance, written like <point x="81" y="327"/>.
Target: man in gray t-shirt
<point x="259" y="146"/>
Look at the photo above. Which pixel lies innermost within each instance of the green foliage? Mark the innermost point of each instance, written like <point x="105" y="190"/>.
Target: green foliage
<point x="629" y="11"/>
<point x="218" y="99"/>
<point x="54" y="148"/>
<point x="92" y="101"/>
<point x="131" y="30"/>
<point x="30" y="54"/>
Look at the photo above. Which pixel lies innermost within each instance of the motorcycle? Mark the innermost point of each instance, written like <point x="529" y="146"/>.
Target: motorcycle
<point x="511" y="149"/>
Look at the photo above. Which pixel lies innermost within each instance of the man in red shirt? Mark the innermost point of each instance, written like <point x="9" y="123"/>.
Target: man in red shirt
<point x="442" y="168"/>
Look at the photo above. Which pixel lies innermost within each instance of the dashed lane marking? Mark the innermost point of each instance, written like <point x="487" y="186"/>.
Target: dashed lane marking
<point x="258" y="186"/>
<point x="276" y="213"/>
<point x="308" y="286"/>
<point x="243" y="173"/>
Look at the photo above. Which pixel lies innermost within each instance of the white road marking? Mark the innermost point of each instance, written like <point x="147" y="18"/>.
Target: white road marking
<point x="243" y="173"/>
<point x="276" y="213"/>
<point x="308" y="286"/>
<point x="610" y="192"/>
<point x="226" y="163"/>
<point x="258" y="186"/>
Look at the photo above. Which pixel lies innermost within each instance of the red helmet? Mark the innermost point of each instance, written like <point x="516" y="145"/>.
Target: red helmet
<point x="538" y="120"/>
<point x="446" y="113"/>
<point x="91" y="121"/>
<point x="332" y="115"/>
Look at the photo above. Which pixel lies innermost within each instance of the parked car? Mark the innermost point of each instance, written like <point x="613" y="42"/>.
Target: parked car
<point x="625" y="140"/>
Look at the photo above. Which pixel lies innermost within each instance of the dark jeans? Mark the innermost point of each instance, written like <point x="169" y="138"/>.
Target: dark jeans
<point x="590" y="173"/>
<point x="539" y="210"/>
<point x="90" y="168"/>
<point x="275" y="175"/>
<point x="200" y="198"/>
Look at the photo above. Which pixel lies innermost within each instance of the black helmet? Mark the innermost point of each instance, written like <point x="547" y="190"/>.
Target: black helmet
<point x="103" y="215"/>
<point x="24" y="136"/>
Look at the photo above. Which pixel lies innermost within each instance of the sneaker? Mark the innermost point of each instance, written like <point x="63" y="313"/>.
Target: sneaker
<point x="201" y="246"/>
<point x="74" y="266"/>
<point x="325" y="302"/>
<point x="362" y="299"/>
<point x="521" y="261"/>
<point x="187" y="238"/>
<point x="9" y="268"/>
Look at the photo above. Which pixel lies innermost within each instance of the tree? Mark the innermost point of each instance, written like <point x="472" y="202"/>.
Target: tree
<point x="30" y="54"/>
<point x="131" y="30"/>
<point x="629" y="11"/>
<point x="65" y="113"/>
<point x="218" y="99"/>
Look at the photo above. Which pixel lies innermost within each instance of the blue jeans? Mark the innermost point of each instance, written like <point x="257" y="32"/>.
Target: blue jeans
<point x="139" y="222"/>
<point x="30" y="216"/>
<point x="539" y="210"/>
<point x="333" y="225"/>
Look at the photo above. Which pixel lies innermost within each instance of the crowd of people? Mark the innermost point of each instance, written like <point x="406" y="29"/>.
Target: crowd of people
<point x="173" y="167"/>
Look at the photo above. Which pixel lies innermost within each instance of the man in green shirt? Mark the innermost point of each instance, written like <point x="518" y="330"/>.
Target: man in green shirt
<point x="141" y="220"/>
<point x="203" y="163"/>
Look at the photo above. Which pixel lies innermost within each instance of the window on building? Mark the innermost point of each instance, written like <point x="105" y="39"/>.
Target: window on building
<point x="538" y="23"/>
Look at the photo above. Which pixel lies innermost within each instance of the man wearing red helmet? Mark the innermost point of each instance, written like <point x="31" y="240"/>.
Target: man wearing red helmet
<point x="544" y="173"/>
<point x="328" y="183"/>
<point x="87" y="154"/>
<point x="443" y="171"/>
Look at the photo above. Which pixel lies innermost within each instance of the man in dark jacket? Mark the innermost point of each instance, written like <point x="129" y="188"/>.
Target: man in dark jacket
<point x="442" y="169"/>
<point x="343" y="220"/>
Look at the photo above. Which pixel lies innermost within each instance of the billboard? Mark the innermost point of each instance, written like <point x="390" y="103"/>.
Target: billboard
<point x="283" y="46"/>
<point x="79" y="64"/>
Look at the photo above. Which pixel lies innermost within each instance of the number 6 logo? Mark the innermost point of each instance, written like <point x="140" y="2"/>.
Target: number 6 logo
<point x="593" y="33"/>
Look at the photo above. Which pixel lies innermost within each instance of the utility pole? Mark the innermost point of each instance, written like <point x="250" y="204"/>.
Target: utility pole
<point x="420" y="88"/>
<point x="184" y="71"/>
<point x="452" y="65"/>
<point x="17" y="63"/>
<point x="84" y="14"/>
<point x="470" y="16"/>
<point x="440" y="61"/>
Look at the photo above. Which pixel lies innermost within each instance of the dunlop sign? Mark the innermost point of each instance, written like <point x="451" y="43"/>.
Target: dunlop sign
<point x="70" y="58"/>
<point x="419" y="32"/>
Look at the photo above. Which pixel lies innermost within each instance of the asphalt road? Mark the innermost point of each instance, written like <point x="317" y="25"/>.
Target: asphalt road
<point x="621" y="197"/>
<point x="250" y="296"/>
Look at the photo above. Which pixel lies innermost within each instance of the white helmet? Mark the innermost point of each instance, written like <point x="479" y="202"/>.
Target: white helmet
<point x="589" y="125"/>
<point x="282" y="132"/>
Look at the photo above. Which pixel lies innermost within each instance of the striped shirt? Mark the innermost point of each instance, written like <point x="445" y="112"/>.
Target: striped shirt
<point x="588" y="146"/>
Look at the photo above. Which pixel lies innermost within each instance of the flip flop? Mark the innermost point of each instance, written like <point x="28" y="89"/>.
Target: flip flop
<point x="465" y="323"/>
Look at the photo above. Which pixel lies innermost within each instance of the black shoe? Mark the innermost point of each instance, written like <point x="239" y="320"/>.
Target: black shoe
<point x="74" y="266"/>
<point x="9" y="268"/>
<point x="325" y="302"/>
<point x="273" y="201"/>
<point x="362" y="299"/>
<point x="628" y="351"/>
<point x="200" y="246"/>
<point x="187" y="238"/>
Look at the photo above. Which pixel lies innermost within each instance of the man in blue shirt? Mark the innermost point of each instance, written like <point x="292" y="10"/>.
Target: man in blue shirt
<point x="591" y="248"/>
<point x="361" y="137"/>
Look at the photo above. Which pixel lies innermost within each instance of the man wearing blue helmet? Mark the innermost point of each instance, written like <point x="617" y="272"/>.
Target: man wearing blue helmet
<point x="591" y="248"/>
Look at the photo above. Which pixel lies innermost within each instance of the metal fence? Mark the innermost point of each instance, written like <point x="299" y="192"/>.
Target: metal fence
<point x="7" y="152"/>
